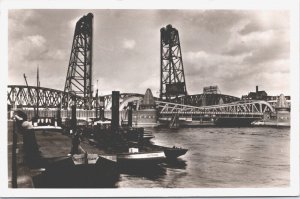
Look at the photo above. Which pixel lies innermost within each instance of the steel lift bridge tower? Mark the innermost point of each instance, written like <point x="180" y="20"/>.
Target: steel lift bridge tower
<point x="79" y="76"/>
<point x="172" y="80"/>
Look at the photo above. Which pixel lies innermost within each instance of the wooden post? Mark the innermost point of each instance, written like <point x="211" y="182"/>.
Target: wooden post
<point x="14" y="157"/>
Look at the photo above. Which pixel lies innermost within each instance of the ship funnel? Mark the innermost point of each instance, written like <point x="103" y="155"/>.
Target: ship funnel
<point x="101" y="108"/>
<point x="115" y="110"/>
<point x="130" y="104"/>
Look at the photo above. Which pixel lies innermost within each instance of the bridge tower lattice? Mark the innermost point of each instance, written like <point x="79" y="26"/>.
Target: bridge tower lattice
<point x="172" y="80"/>
<point x="79" y="75"/>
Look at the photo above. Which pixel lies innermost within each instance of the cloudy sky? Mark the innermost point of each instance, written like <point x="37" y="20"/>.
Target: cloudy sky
<point x="235" y="50"/>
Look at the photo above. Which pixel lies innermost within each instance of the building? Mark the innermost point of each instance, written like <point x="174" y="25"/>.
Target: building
<point x="262" y="95"/>
<point x="257" y="95"/>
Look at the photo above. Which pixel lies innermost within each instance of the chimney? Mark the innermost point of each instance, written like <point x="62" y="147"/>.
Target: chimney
<point x="256" y="89"/>
<point x="73" y="115"/>
<point x="130" y="104"/>
<point x="115" y="110"/>
<point x="101" y="108"/>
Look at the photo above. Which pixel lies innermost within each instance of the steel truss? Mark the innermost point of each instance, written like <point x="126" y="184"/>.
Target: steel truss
<point x="242" y="108"/>
<point x="26" y="97"/>
<point x="79" y="75"/>
<point x="172" y="78"/>
<point x="205" y="99"/>
<point x="19" y="96"/>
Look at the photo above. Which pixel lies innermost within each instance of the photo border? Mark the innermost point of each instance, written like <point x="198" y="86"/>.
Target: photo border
<point x="291" y="5"/>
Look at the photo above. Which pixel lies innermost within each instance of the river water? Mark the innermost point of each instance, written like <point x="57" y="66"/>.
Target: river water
<point x="255" y="157"/>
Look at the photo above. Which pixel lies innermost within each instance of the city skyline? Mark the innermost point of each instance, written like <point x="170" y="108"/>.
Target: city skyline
<point x="235" y="50"/>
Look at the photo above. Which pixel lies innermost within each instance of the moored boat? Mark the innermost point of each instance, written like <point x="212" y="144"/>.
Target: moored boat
<point x="175" y="152"/>
<point x="51" y="153"/>
<point x="136" y="158"/>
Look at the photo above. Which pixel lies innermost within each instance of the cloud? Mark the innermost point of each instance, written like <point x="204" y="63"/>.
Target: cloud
<point x="37" y="49"/>
<point x="72" y="23"/>
<point x="17" y="21"/>
<point x="37" y="40"/>
<point x="128" y="43"/>
<point x="205" y="60"/>
<point x="235" y="49"/>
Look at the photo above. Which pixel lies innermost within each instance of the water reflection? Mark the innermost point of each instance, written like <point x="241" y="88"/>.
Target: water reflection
<point x="217" y="157"/>
<point x="175" y="164"/>
<point x="148" y="171"/>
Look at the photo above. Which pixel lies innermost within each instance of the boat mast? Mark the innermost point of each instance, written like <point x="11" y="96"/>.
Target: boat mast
<point x="97" y="104"/>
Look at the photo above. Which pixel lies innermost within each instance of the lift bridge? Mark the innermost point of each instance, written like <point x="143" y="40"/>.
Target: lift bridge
<point x="173" y="99"/>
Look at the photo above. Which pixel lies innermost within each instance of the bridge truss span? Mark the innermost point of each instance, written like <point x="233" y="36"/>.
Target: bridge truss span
<point x="23" y="96"/>
<point x="240" y="108"/>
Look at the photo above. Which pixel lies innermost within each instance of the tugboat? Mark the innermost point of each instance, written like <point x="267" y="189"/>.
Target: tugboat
<point x="131" y="145"/>
<point x="175" y="152"/>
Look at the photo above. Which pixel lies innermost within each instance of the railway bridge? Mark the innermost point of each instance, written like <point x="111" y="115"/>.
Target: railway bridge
<point x="22" y="96"/>
<point x="51" y="100"/>
<point x="173" y="98"/>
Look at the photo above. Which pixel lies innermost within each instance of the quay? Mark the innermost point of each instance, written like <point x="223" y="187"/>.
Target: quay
<point x="54" y="148"/>
<point x="64" y="156"/>
<point x="65" y="133"/>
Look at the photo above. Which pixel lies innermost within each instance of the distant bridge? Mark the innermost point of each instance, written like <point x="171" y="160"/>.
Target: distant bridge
<point x="205" y="99"/>
<point x="240" y="109"/>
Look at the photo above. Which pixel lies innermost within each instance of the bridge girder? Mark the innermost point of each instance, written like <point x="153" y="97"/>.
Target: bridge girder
<point x="123" y="97"/>
<point x="205" y="99"/>
<point x="250" y="108"/>
<point x="18" y="95"/>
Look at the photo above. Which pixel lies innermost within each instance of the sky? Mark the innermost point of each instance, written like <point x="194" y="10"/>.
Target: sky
<point x="233" y="49"/>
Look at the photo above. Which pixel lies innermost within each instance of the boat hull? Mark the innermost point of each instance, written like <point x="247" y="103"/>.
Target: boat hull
<point x="66" y="174"/>
<point x="46" y="151"/>
<point x="173" y="153"/>
<point x="141" y="158"/>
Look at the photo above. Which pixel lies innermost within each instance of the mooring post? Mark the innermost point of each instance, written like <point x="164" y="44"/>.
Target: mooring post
<point x="101" y="108"/>
<point x="14" y="156"/>
<point x="130" y="104"/>
<point x="115" y="110"/>
<point x="73" y="117"/>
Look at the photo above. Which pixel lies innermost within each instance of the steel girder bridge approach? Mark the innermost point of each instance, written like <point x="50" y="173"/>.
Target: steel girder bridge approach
<point x="173" y="96"/>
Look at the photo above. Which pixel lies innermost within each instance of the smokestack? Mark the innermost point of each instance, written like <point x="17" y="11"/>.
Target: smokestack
<point x="101" y="108"/>
<point x="73" y="116"/>
<point x="97" y="105"/>
<point x="256" y="89"/>
<point x="130" y="104"/>
<point x="115" y="110"/>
